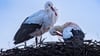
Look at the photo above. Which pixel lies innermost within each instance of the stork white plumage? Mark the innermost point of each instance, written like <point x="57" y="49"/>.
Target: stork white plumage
<point x="70" y="32"/>
<point x="65" y="30"/>
<point x="37" y="24"/>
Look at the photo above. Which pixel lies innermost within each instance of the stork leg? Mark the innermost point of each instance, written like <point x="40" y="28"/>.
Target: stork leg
<point x="25" y="44"/>
<point x="40" y="41"/>
<point x="36" y="41"/>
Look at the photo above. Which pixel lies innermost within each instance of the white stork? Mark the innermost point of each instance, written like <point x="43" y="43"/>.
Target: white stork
<point x="37" y="24"/>
<point x="67" y="31"/>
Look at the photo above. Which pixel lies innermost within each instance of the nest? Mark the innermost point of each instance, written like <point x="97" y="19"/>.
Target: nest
<point x="56" y="49"/>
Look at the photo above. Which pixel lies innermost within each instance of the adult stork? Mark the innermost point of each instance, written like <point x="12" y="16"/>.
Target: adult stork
<point x="37" y="24"/>
<point x="69" y="31"/>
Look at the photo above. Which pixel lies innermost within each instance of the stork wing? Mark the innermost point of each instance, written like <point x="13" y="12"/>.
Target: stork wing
<point x="35" y="18"/>
<point x="24" y="31"/>
<point x="22" y="35"/>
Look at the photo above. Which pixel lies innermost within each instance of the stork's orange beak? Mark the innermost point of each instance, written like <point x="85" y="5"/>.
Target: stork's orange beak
<point x="58" y="33"/>
<point x="53" y="10"/>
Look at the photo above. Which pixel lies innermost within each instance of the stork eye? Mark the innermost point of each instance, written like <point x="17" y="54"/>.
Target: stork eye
<point x="54" y="33"/>
<point x="48" y="4"/>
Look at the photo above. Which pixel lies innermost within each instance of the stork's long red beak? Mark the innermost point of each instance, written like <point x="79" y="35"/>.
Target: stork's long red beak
<point x="58" y="33"/>
<point x="53" y="10"/>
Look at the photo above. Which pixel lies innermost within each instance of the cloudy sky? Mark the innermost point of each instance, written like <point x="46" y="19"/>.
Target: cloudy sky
<point x="86" y="13"/>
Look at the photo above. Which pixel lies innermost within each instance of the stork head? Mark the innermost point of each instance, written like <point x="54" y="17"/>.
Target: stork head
<point x="56" y="30"/>
<point x="49" y="6"/>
